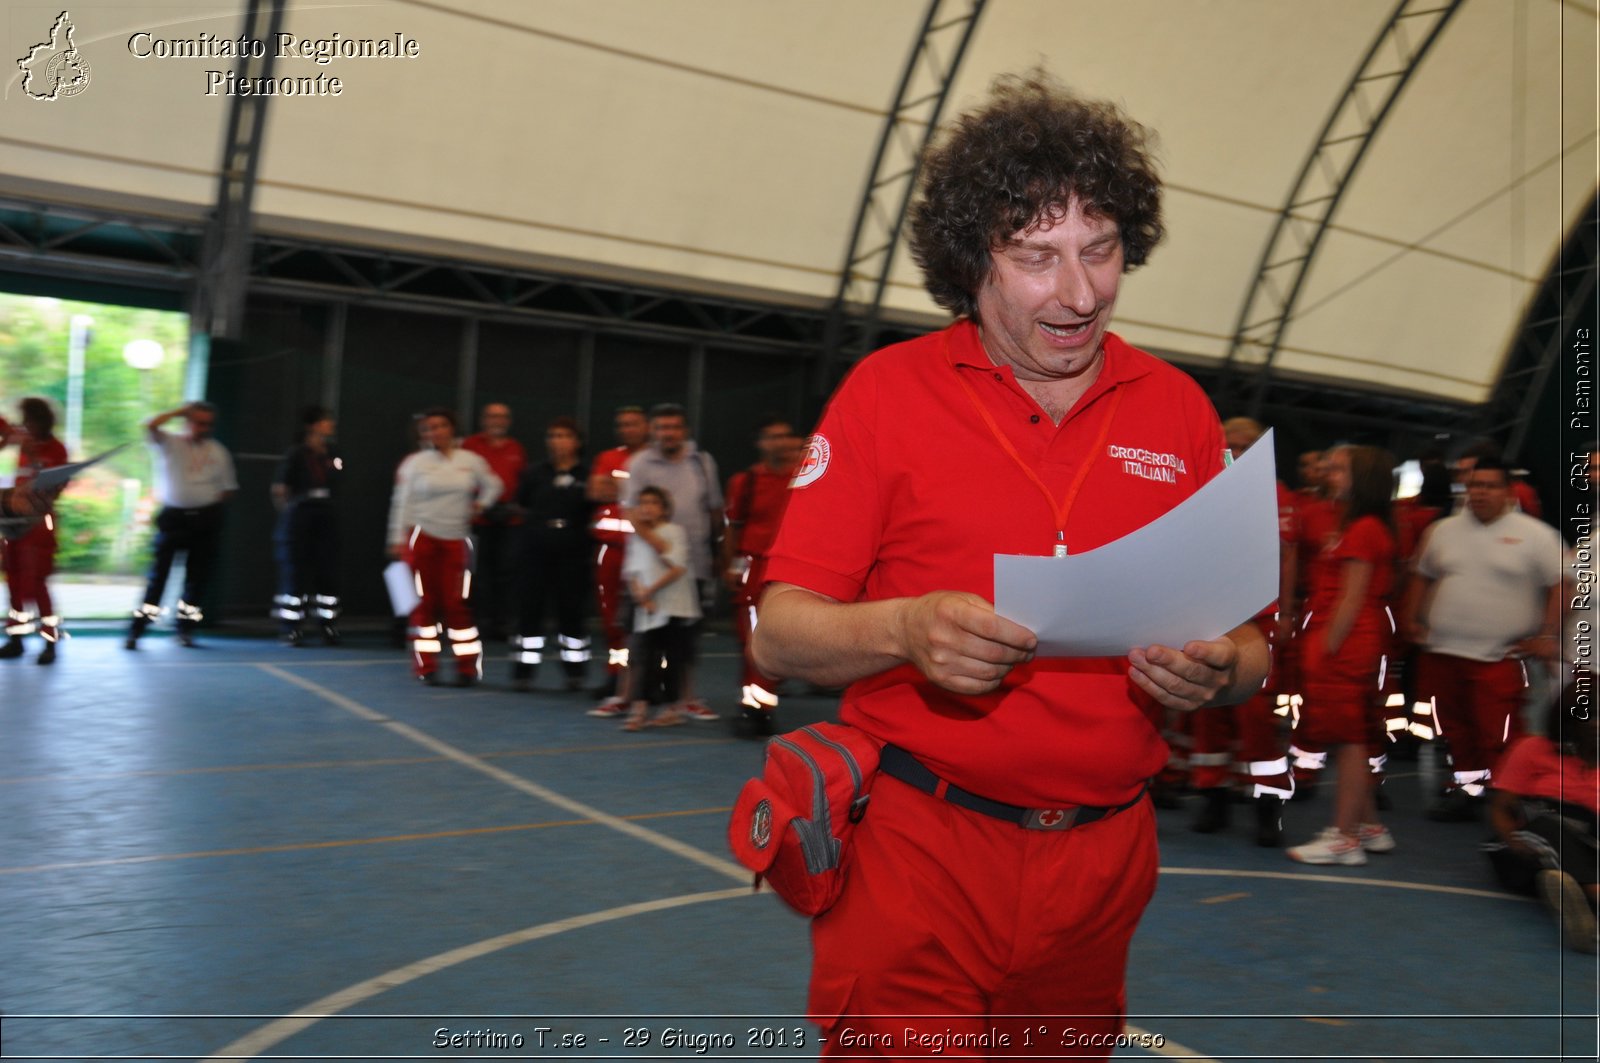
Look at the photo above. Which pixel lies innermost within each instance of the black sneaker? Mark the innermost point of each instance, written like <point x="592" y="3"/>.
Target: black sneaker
<point x="1269" y="821"/>
<point x="753" y="723"/>
<point x="12" y="648"/>
<point x="1165" y="794"/>
<point x="291" y="638"/>
<point x="521" y="676"/>
<point x="48" y="654"/>
<point x="1456" y="806"/>
<point x="1214" y="812"/>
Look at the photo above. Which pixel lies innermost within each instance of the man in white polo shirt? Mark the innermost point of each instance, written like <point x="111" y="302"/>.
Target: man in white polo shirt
<point x="1486" y="597"/>
<point x="194" y="477"/>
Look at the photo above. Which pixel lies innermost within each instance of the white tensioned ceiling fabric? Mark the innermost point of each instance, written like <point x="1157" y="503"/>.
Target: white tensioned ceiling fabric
<point x="723" y="144"/>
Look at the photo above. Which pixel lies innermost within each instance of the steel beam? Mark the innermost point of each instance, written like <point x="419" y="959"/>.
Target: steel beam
<point x="1550" y="319"/>
<point x="220" y="285"/>
<point x="1410" y="31"/>
<point x="854" y="316"/>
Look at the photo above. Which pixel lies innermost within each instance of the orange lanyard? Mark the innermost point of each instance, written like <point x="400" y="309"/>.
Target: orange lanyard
<point x="1061" y="508"/>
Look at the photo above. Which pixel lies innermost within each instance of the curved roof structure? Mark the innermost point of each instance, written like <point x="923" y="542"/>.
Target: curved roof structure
<point x="723" y="145"/>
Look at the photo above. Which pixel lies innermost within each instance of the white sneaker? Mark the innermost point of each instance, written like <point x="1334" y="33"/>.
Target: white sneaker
<point x="1330" y="847"/>
<point x="1375" y="838"/>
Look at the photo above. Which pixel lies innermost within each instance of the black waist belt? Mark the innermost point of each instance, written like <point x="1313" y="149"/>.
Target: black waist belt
<point x="898" y="764"/>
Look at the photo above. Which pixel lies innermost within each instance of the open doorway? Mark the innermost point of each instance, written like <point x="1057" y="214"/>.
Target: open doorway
<point x="103" y="369"/>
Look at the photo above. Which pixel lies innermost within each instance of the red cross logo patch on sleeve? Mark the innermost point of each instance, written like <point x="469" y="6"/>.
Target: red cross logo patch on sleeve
<point x="813" y="463"/>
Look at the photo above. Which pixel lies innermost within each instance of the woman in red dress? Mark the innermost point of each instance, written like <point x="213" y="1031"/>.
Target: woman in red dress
<point x="30" y="558"/>
<point x="1347" y="638"/>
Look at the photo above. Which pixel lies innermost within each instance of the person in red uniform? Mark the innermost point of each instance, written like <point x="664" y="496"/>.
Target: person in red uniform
<point x="1317" y="521"/>
<point x="1252" y="724"/>
<point x="1309" y="469"/>
<point x="1543" y="807"/>
<point x="755" y="498"/>
<point x="495" y="531"/>
<point x="1347" y="638"/>
<point x="1008" y="851"/>
<point x="437" y="492"/>
<point x="1412" y="517"/>
<point x="30" y="558"/>
<point x="610" y="531"/>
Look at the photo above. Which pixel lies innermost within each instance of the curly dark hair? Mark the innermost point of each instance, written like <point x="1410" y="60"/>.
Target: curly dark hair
<point x="1019" y="160"/>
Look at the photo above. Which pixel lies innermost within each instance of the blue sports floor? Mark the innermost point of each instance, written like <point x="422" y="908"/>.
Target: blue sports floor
<point x="245" y="851"/>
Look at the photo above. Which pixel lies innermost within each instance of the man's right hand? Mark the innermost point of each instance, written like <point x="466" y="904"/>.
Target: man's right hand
<point x="959" y="642"/>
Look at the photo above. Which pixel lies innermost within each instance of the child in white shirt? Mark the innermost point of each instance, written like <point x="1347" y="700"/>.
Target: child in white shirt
<point x="656" y="568"/>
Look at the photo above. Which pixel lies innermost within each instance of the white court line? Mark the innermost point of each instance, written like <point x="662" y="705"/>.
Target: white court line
<point x="516" y="782"/>
<point x="1342" y="880"/>
<point x="273" y="1033"/>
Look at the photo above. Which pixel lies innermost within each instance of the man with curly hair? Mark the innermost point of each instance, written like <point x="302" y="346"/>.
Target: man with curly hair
<point x="1009" y="849"/>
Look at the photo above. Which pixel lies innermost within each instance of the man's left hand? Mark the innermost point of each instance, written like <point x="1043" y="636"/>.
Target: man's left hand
<point x="1186" y="679"/>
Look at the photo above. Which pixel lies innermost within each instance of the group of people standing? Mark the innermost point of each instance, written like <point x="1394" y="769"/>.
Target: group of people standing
<point x="1399" y="620"/>
<point x="495" y="538"/>
<point x="482" y="531"/>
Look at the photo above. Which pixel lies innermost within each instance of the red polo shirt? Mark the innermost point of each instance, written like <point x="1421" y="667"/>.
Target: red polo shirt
<point x="611" y="520"/>
<point x="506" y="459"/>
<point x="1318" y="520"/>
<point x="612" y="462"/>
<point x="1370" y="540"/>
<point x="756" y="498"/>
<point x="907" y="489"/>
<point x="1534" y="766"/>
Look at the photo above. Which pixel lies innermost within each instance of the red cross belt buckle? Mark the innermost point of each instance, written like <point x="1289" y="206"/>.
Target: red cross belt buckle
<point x="1050" y="819"/>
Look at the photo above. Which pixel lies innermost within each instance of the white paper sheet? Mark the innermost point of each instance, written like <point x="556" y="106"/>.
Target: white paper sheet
<point x="57" y="476"/>
<point x="397" y="578"/>
<point x="1197" y="572"/>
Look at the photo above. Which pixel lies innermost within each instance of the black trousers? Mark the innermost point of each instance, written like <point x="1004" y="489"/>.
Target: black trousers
<point x="494" y="575"/>
<point x="198" y="534"/>
<point x="556" y="574"/>
<point x="1563" y="838"/>
<point x="306" y="546"/>
<point x="659" y="658"/>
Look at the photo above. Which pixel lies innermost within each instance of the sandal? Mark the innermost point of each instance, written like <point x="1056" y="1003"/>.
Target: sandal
<point x="671" y="716"/>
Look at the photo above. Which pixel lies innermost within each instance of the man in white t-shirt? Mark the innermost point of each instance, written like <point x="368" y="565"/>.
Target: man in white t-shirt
<point x="1486" y="597"/>
<point x="194" y="477"/>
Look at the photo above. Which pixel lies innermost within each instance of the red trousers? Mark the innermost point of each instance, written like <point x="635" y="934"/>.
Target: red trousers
<point x="609" y="595"/>
<point x="29" y="562"/>
<point x="1254" y="727"/>
<point x="1248" y="732"/>
<point x="442" y="614"/>
<point x="1477" y="706"/>
<point x="988" y="927"/>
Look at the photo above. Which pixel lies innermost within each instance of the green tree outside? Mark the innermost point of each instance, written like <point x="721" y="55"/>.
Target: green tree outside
<point x="103" y="520"/>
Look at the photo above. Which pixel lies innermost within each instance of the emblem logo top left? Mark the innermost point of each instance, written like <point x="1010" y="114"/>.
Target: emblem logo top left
<point x="761" y="825"/>
<point x="55" y="69"/>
